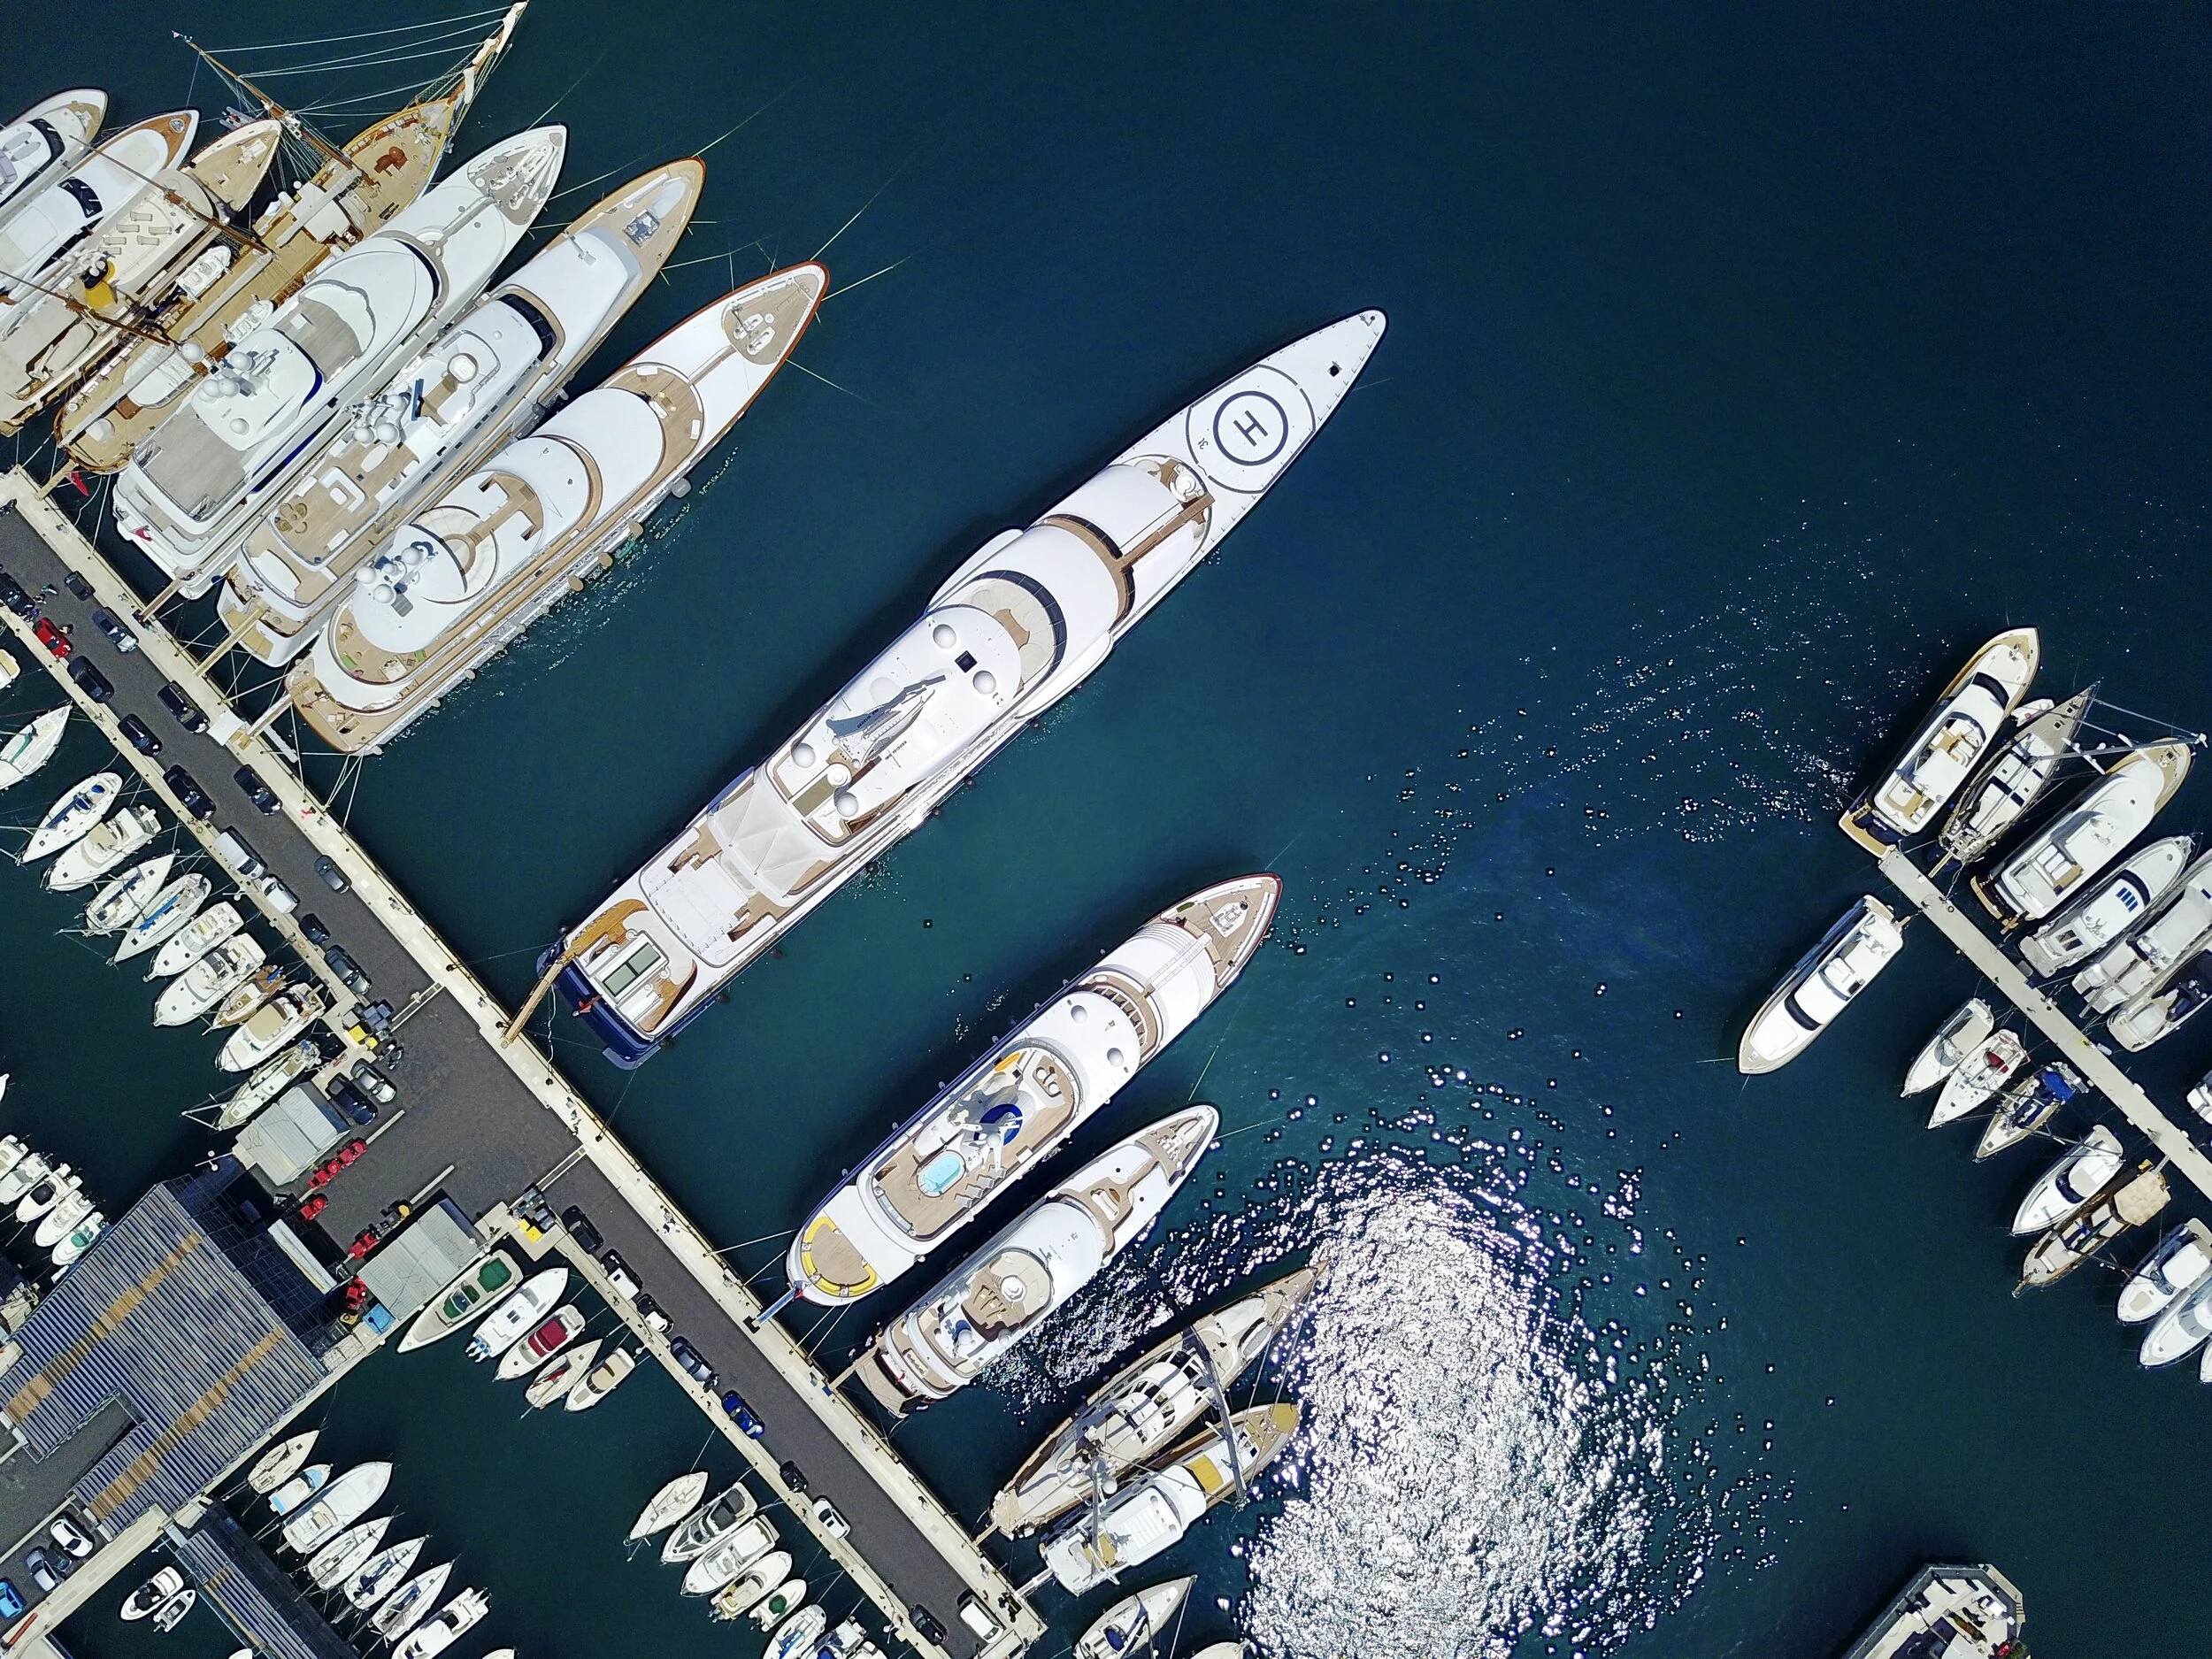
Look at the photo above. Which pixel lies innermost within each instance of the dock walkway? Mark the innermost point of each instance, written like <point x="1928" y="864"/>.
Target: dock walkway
<point x="2074" y="1046"/>
<point x="484" y="1119"/>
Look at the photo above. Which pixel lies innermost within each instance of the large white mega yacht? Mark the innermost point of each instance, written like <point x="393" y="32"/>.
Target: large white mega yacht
<point x="39" y="234"/>
<point x="192" y="487"/>
<point x="1018" y="625"/>
<point x="1021" y="1102"/>
<point x="472" y="567"/>
<point x="475" y="386"/>
<point x="44" y="141"/>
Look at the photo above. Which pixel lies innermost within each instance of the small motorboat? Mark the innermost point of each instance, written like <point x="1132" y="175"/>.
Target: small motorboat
<point x="2134" y="1200"/>
<point x="445" y="1626"/>
<point x="601" y="1380"/>
<point x="59" y="1183"/>
<point x="409" y="1604"/>
<point x="8" y="671"/>
<point x="341" y="1558"/>
<point x="164" y="913"/>
<point x="299" y="1488"/>
<point x="73" y="817"/>
<point x="2176" y="1332"/>
<point x="504" y="1325"/>
<point x="2058" y="860"/>
<point x="27" y="1172"/>
<point x="1225" y="1650"/>
<point x="1146" y="1619"/>
<point x="2177" y="1266"/>
<point x="490" y="1280"/>
<point x="212" y="926"/>
<point x="270" y="1027"/>
<point x="780" y="1603"/>
<point x="1954" y="1044"/>
<point x="171" y="1613"/>
<point x="2014" y="778"/>
<point x="102" y="848"/>
<point x="2178" y="926"/>
<point x="31" y="748"/>
<point x="2027" y="1106"/>
<point x="670" y="1504"/>
<point x="561" y="1328"/>
<point x="203" y="984"/>
<point x="2109" y="909"/>
<point x="2153" y="1015"/>
<point x="150" y="1596"/>
<point x="1863" y="942"/>
<point x="2079" y="1174"/>
<point x="698" y="1533"/>
<point x="265" y="982"/>
<point x="124" y="900"/>
<point x="343" y="1502"/>
<point x="382" y="1574"/>
<point x="797" y="1634"/>
<point x="57" y="1222"/>
<point x="270" y="1079"/>
<point x="730" y="1556"/>
<point x="1969" y="715"/>
<point x="735" y="1598"/>
<point x="560" y="1375"/>
<point x="80" y="1240"/>
<point x="12" y="1152"/>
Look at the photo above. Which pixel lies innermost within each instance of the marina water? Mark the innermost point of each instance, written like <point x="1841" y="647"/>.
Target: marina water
<point x="1743" y="372"/>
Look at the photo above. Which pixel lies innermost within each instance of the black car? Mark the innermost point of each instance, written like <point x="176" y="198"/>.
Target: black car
<point x="794" y="1477"/>
<point x="619" y="1273"/>
<point x="579" y="1228"/>
<point x="333" y="878"/>
<point x="693" y="1362"/>
<point x="139" y="735"/>
<point x="650" y="1311"/>
<point x="90" y="680"/>
<point x="77" y="585"/>
<point x="264" y="798"/>
<point x="118" y="636"/>
<point x="311" y="925"/>
<point x="926" y="1622"/>
<point x="375" y="1017"/>
<point x="347" y="969"/>
<point x="359" y="1109"/>
<point x="186" y="712"/>
<point x="11" y="595"/>
<point x="189" y="795"/>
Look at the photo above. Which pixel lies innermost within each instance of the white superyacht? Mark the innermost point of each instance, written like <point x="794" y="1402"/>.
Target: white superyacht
<point x="1018" y="625"/>
<point x="1025" y="1098"/>
<point x="490" y="375"/>
<point x="469" y="570"/>
<point x="191" y="488"/>
<point x="2088" y="835"/>
<point x="45" y="142"/>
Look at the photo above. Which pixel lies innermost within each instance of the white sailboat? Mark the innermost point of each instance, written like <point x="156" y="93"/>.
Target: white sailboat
<point x="670" y="1504"/>
<point x="1954" y="1043"/>
<point x="445" y="1627"/>
<point x="382" y="1573"/>
<point x="73" y="815"/>
<point x="409" y="1604"/>
<point x="2014" y="778"/>
<point x="32" y="746"/>
<point x="165" y="912"/>
<point x="124" y="900"/>
<point x="281" y="1462"/>
<point x="339" y="1559"/>
<point x="102" y="848"/>
<point x="1142" y="1621"/>
<point x="560" y="1376"/>
<point x="269" y="1080"/>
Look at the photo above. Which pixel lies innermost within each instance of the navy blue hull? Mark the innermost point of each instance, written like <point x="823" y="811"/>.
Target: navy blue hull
<point x="621" y="1042"/>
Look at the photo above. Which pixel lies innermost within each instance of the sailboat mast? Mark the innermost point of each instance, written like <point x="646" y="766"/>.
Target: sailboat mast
<point x="269" y="105"/>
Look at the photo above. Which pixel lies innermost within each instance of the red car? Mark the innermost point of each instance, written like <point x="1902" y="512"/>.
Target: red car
<point x="51" y="637"/>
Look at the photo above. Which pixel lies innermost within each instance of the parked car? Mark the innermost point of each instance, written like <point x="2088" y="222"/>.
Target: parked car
<point x="111" y="624"/>
<point x="11" y="595"/>
<point x="90" y="681"/>
<point x="926" y="1622"/>
<point x="333" y="878"/>
<point x="189" y="795"/>
<point x="827" y="1517"/>
<point x="186" y="712"/>
<point x="280" y="898"/>
<point x="236" y="851"/>
<point x="11" y="1599"/>
<point x="733" y="1407"/>
<point x="75" y="583"/>
<point x="139" y="735"/>
<point x="45" y="1572"/>
<point x="50" y="636"/>
<point x="347" y="969"/>
<point x="619" y="1274"/>
<point x="650" y="1310"/>
<point x="264" y="798"/>
<point x="693" y="1362"/>
<point x="358" y="1109"/>
<point x="374" y="1083"/>
<point x="579" y="1228"/>
<point x="794" y="1477"/>
<point x="311" y="925"/>
<point x="70" y="1536"/>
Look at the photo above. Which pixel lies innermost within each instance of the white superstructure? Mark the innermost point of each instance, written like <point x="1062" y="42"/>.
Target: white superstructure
<point x="38" y="234"/>
<point x="44" y="141"/>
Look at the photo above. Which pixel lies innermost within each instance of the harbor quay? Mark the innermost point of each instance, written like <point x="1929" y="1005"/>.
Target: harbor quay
<point x="483" y="1131"/>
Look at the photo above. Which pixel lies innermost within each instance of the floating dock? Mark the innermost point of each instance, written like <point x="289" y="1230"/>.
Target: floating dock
<point x="480" y="1119"/>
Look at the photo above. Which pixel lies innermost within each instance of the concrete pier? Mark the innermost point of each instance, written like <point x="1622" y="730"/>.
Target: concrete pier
<point x="485" y="1118"/>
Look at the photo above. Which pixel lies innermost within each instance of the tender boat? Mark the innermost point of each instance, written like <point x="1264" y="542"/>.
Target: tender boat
<point x="165" y="912"/>
<point x="208" y="981"/>
<point x="270" y="1027"/>
<point x="1863" y="942"/>
<point x="739" y="1597"/>
<point x="699" y="1533"/>
<point x="218" y="922"/>
<point x="27" y="1172"/>
<point x="730" y="1556"/>
<point x="57" y="1222"/>
<point x="299" y="1488"/>
<point x="59" y="1185"/>
<point x="377" y="175"/>
<point x="488" y="1282"/>
<point x="1006" y="1290"/>
<point x="1979" y="1076"/>
<point x="71" y="817"/>
<point x="102" y="848"/>
<point x="1136" y="1622"/>
<point x="504" y="1325"/>
<point x="445" y="1627"/>
<point x="477" y="385"/>
<point x="43" y="142"/>
<point x="1225" y="1650"/>
<point x="171" y="1613"/>
<point x="281" y="1462"/>
<point x="152" y="1594"/>
<point x="2181" y="1262"/>
<point x="2107" y="911"/>
<point x="797" y="1634"/>
<point x="2133" y="1201"/>
<point x="124" y="900"/>
<point x="411" y="1603"/>
<point x="39" y="237"/>
<point x="1956" y="1040"/>
<point x="343" y="1502"/>
<point x="1145" y="1407"/>
<point x="1947" y="1612"/>
<point x="80" y="1240"/>
<point x="382" y="1573"/>
<point x="562" y="1326"/>
<point x="236" y="442"/>
<point x="12" y="1152"/>
<point x="1018" y="625"/>
<point x="32" y="746"/>
<point x="477" y="564"/>
<point x="1025" y="1100"/>
<point x="1969" y="715"/>
<point x="670" y="1504"/>
<point x="601" y="1380"/>
<point x="2080" y="1172"/>
<point x="2155" y="1014"/>
<point x="780" y="1603"/>
<point x="1148" y="1516"/>
<point x="2058" y="860"/>
<point x="560" y="1375"/>
<point x="2027" y="1106"/>
<point x="338" y="1560"/>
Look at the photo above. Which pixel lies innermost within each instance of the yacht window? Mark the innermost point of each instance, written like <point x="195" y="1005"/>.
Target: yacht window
<point x="966" y="660"/>
<point x="46" y="131"/>
<point x="1983" y="682"/>
<point x="86" y="198"/>
<point x="549" y="336"/>
<point x="632" y="968"/>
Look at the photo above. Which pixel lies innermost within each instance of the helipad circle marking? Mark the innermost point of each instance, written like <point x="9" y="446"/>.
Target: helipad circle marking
<point x="1250" y="428"/>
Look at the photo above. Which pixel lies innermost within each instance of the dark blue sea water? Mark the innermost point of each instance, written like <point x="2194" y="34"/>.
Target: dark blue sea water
<point x="1745" y="368"/>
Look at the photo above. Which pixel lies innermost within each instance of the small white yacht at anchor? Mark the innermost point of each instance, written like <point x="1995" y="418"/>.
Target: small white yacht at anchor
<point x="1969" y="715"/>
<point x="2080" y="1173"/>
<point x="1978" y="1076"/>
<point x="2105" y="912"/>
<point x="1863" y="942"/>
<point x="1956" y="1041"/>
<point x="1019" y="624"/>
<point x="2170" y="1272"/>
<point x="208" y="981"/>
<point x="2174" y="1335"/>
<point x="189" y="490"/>
<point x="2178" y="925"/>
<point x="2014" y="778"/>
<point x="1007" y="1289"/>
<point x="31" y="747"/>
<point x="270" y="1027"/>
<point x="2082" y="839"/>
<point x="43" y="142"/>
<point x="102" y="848"/>
<point x="339" y="1504"/>
<point x="209" y="928"/>
<point x="472" y="567"/>
<point x="1136" y="1624"/>
<point x="73" y="817"/>
<point x="2124" y="1201"/>
<point x="1026" y="1097"/>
